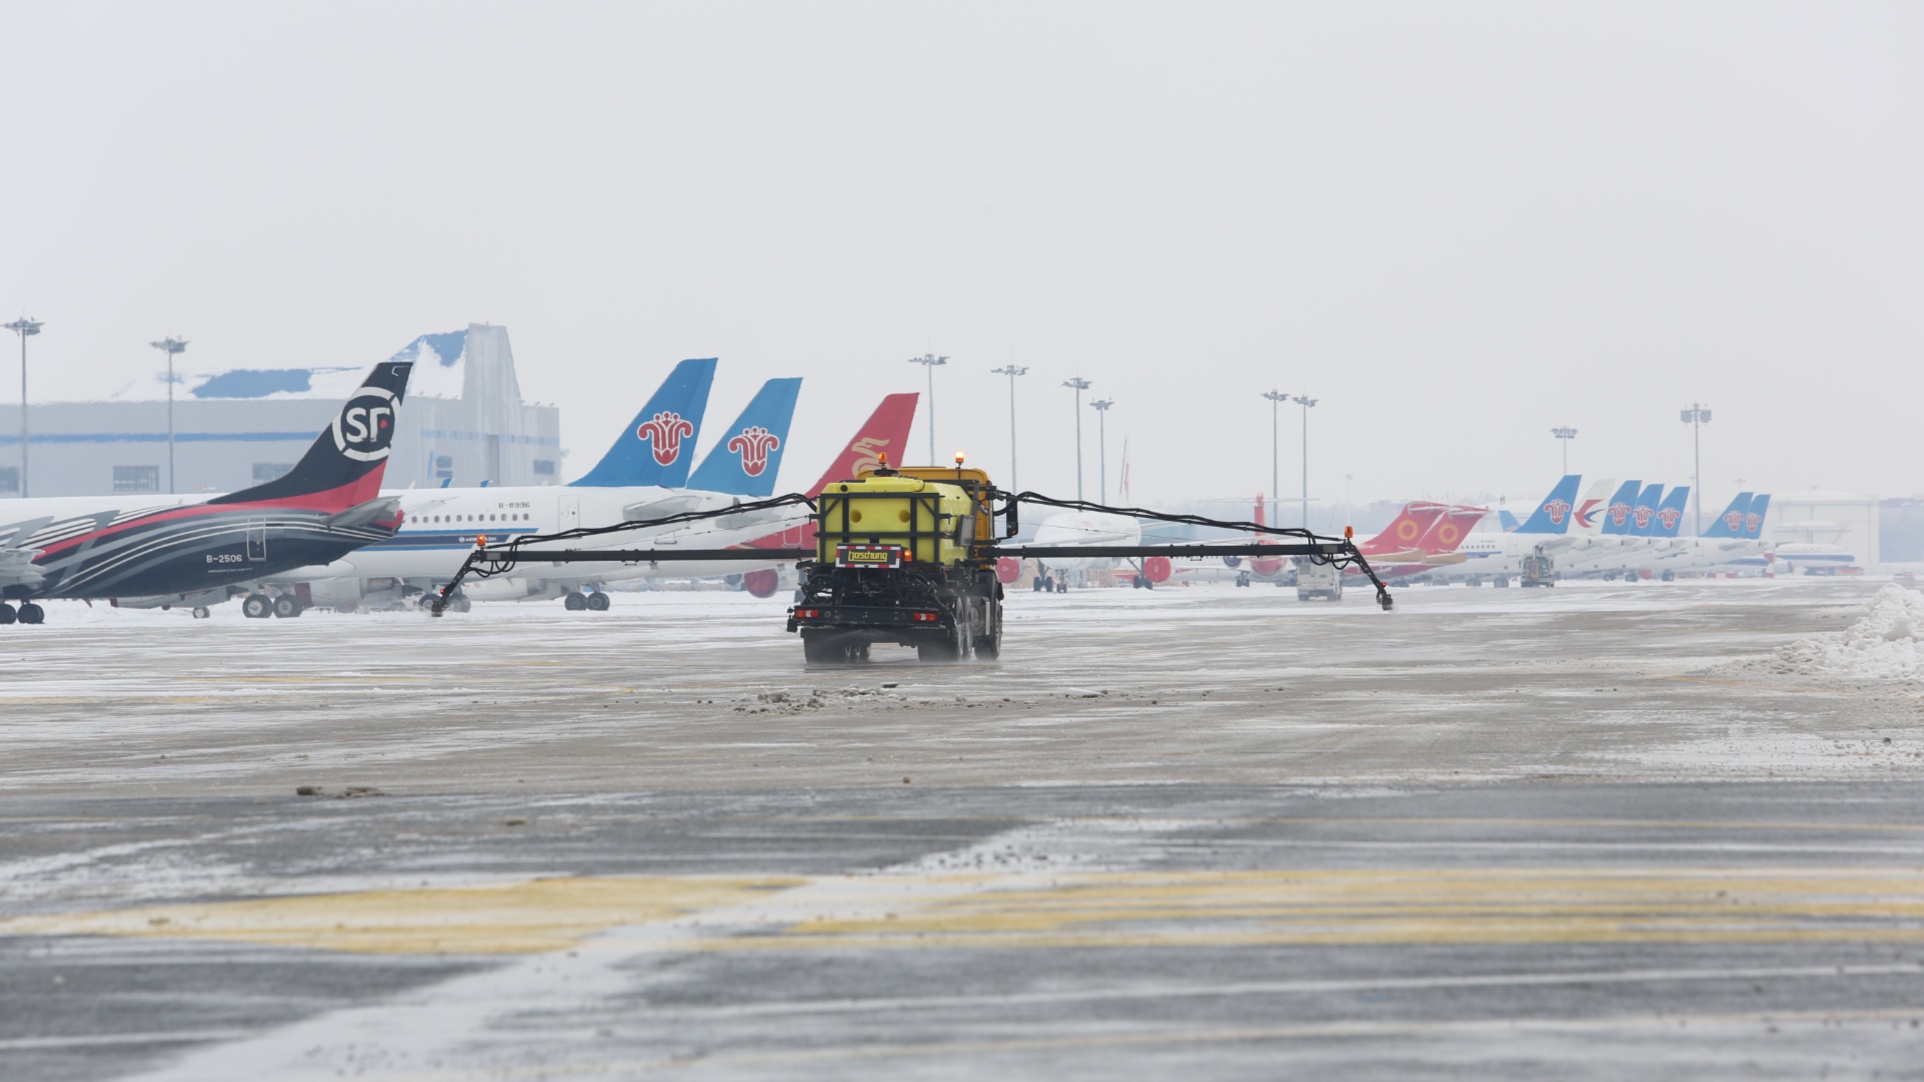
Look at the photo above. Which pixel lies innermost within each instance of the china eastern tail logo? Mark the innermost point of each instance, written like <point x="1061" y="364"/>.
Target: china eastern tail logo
<point x="365" y="426"/>
<point x="1587" y="514"/>
<point x="665" y="431"/>
<point x="1669" y="516"/>
<point x="1557" y="510"/>
<point x="1734" y="521"/>
<point x="753" y="444"/>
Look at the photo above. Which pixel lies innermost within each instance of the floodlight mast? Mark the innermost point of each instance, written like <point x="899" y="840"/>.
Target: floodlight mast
<point x="1306" y="403"/>
<point x="1565" y="435"/>
<point x="25" y="328"/>
<point x="170" y="346"/>
<point x="1276" y="399"/>
<point x="1696" y="417"/>
<point x="1080" y="385"/>
<point x="1011" y="370"/>
<point x="931" y="362"/>
<point x="1101" y="406"/>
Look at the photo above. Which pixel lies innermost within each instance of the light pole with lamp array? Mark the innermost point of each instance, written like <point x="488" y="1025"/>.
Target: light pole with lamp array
<point x="931" y="362"/>
<point x="1565" y="434"/>
<point x="1011" y="370"/>
<point x="1696" y="417"/>
<point x="1306" y="403"/>
<point x="1080" y="385"/>
<point x="1276" y="399"/>
<point x="25" y="328"/>
<point x="1101" y="406"/>
<point x="170" y="346"/>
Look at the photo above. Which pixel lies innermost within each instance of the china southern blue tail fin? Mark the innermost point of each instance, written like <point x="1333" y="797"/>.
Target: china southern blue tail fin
<point x="1754" y="517"/>
<point x="658" y="446"/>
<point x="1506" y="520"/>
<point x="1730" y="524"/>
<point x="746" y="459"/>
<point x="1553" y="514"/>
<point x="1644" y="514"/>
<point x="345" y="465"/>
<point x="1616" y="516"/>
<point x="1670" y="513"/>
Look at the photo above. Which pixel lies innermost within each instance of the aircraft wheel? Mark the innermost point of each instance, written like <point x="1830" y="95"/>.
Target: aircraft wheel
<point x="1062" y="586"/>
<point x="574" y="602"/>
<point x="287" y="607"/>
<point x="1040" y="584"/>
<point x="31" y="613"/>
<point x="201" y="613"/>
<point x="7" y="615"/>
<point x="598" y="601"/>
<point x="1242" y="578"/>
<point x="256" y="607"/>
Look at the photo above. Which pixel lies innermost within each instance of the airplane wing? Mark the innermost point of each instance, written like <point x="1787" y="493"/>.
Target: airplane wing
<point x="661" y="508"/>
<point x="17" y="568"/>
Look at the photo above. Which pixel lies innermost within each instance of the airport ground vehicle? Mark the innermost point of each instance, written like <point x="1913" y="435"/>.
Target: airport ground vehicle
<point x="1538" y="570"/>
<point x="904" y="556"/>
<point x="1318" y="580"/>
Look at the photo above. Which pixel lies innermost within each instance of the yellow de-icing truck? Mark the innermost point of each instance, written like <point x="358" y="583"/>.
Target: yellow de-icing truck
<point x="901" y="556"/>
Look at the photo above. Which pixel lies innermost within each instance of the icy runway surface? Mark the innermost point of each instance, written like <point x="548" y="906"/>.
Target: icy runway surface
<point x="1666" y="829"/>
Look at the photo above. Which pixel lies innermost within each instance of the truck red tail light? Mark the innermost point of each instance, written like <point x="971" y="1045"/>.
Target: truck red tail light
<point x="925" y="617"/>
<point x="808" y="614"/>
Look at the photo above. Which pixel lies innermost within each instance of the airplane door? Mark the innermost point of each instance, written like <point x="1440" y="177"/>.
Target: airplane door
<point x="256" y="541"/>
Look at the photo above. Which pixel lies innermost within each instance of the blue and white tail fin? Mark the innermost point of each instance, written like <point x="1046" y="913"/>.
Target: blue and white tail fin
<point x="1553" y="514"/>
<point x="1754" y="518"/>
<point x="658" y="446"/>
<point x="1670" y="513"/>
<point x="746" y="459"/>
<point x="1730" y="524"/>
<point x="1506" y="520"/>
<point x="1644" y="515"/>
<point x="1617" y="521"/>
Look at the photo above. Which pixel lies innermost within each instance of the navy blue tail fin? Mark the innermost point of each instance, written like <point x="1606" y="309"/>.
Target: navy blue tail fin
<point x="658" y="446"/>
<point x="345" y="465"/>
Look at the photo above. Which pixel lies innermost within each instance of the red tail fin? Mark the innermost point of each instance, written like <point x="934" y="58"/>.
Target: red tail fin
<point x="885" y="432"/>
<point x="1450" y="528"/>
<point x="1407" y="530"/>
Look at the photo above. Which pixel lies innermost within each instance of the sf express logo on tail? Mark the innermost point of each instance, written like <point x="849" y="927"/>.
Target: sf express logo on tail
<point x="1557" y="510"/>
<point x="753" y="444"/>
<point x="365" y="426"/>
<point x="664" y="433"/>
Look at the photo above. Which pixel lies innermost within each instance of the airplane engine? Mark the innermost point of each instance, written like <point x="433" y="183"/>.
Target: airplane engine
<point x="1266" y="565"/>
<point x="1008" y="569"/>
<point x="1232" y="561"/>
<point x="1157" y="569"/>
<point x="762" y="583"/>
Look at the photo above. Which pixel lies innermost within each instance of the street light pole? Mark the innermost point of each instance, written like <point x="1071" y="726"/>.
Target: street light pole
<point x="930" y="361"/>
<point x="1101" y="406"/>
<point x="1696" y="417"/>
<point x="170" y="346"/>
<point x="1080" y="386"/>
<point x="1306" y="403"/>
<point x="1565" y="434"/>
<point x="1010" y="370"/>
<point x="25" y="328"/>
<point x="1276" y="399"/>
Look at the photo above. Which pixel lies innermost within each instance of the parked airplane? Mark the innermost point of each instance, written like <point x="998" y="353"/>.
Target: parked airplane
<point x="1497" y="556"/>
<point x="443" y="524"/>
<point x="189" y="552"/>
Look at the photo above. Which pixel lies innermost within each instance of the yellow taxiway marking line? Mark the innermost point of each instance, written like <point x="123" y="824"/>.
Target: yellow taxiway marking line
<point x="1077" y="909"/>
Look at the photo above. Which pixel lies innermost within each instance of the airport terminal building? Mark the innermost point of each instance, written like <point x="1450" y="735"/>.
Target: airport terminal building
<point x="464" y="421"/>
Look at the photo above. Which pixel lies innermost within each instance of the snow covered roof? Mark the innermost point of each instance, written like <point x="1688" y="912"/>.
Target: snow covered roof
<point x="439" y="372"/>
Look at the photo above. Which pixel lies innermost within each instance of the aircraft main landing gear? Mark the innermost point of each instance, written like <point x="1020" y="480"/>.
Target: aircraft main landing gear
<point x="31" y="613"/>
<point x="287" y="607"/>
<point x="257" y="606"/>
<point x="7" y="615"/>
<point x="574" y="602"/>
<point x="597" y="602"/>
<point x="201" y="613"/>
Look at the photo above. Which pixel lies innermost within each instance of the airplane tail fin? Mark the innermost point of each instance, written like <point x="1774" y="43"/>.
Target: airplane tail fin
<point x="1754" y="517"/>
<point x="1552" y="516"/>
<point x="885" y="432"/>
<point x="1450" y="528"/>
<point x="1644" y="515"/>
<point x="1670" y="513"/>
<point x="658" y="446"/>
<point x="1617" y="515"/>
<point x="1731" y="523"/>
<point x="1507" y="520"/>
<point x="345" y="465"/>
<point x="1407" y="529"/>
<point x="1589" y="513"/>
<point x="749" y="455"/>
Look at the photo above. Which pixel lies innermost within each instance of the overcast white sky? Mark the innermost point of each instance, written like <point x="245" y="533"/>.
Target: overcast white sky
<point x="1458" y="225"/>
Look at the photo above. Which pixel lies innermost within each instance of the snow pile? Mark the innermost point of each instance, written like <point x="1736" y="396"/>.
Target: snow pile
<point x="1886" y="642"/>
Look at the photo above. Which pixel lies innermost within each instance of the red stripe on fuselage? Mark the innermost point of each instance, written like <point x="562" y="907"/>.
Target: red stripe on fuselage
<point x="331" y="501"/>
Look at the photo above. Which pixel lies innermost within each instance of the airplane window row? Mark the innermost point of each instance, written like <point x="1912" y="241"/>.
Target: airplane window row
<point x="478" y="518"/>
